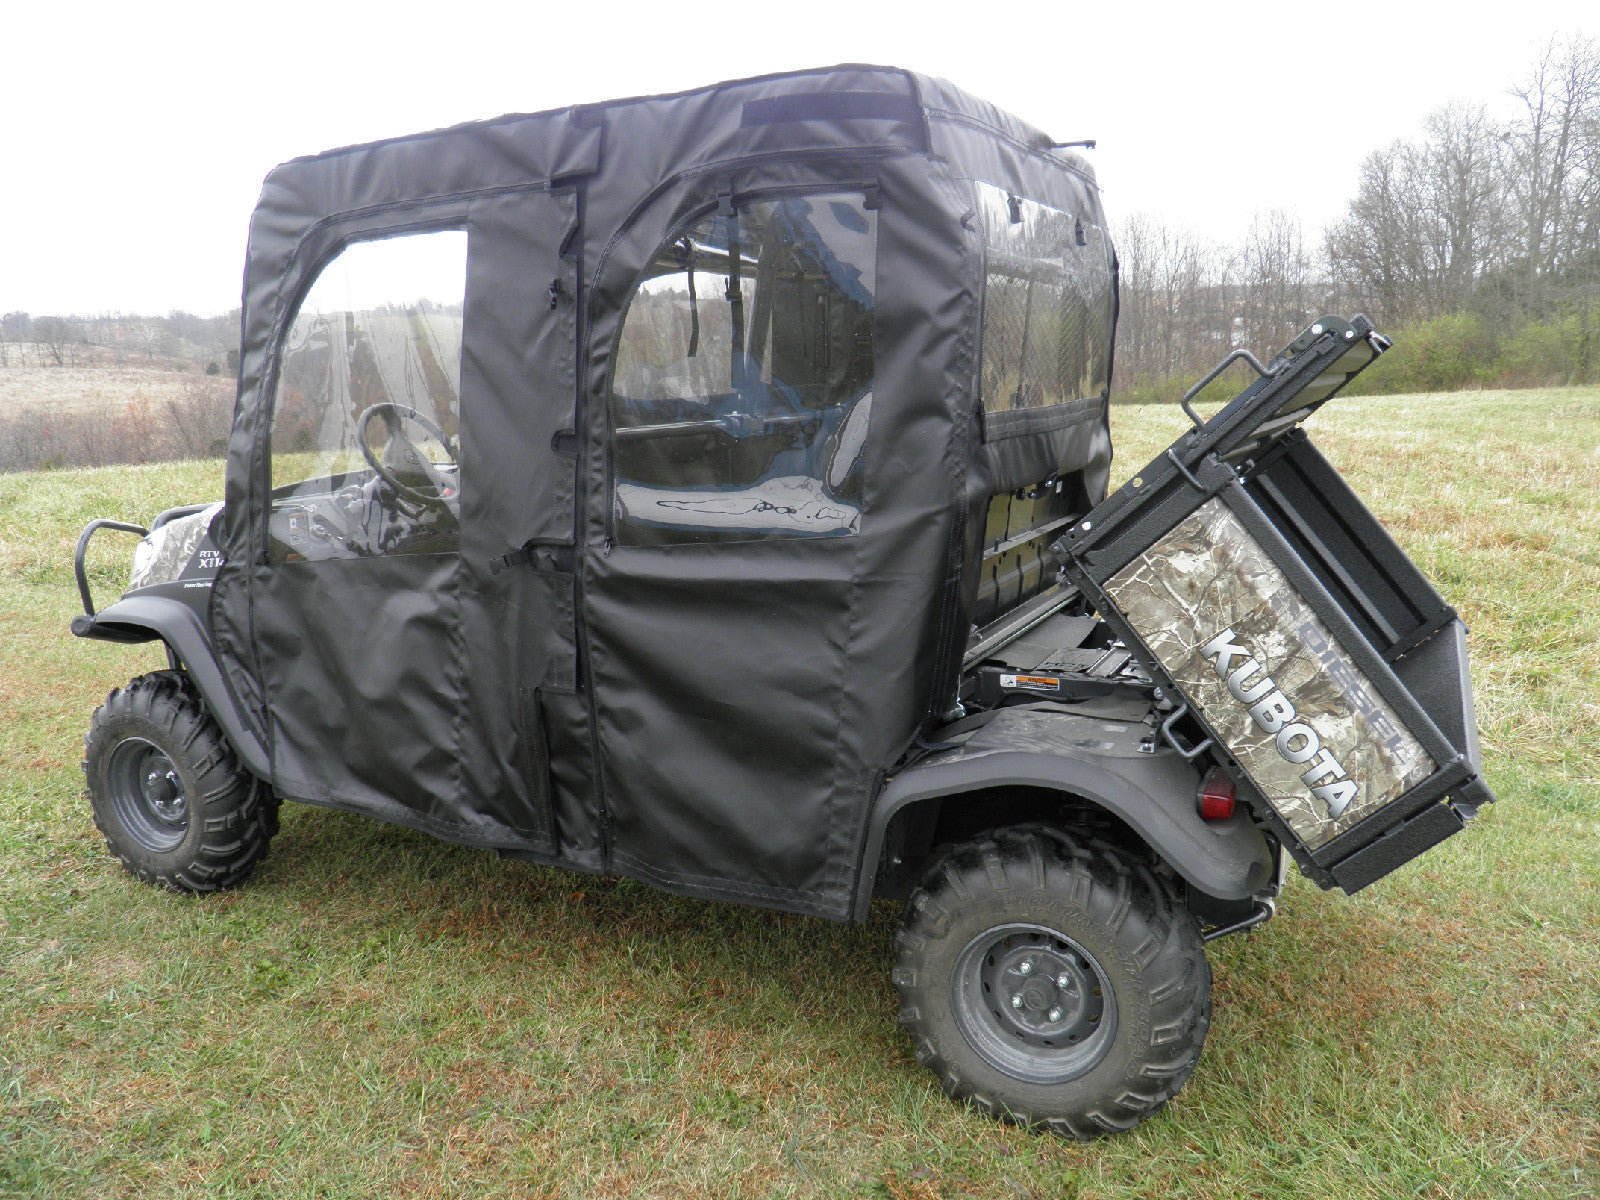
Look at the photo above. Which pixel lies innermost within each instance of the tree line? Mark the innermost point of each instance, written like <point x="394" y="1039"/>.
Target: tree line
<point x="116" y="339"/>
<point x="1476" y="243"/>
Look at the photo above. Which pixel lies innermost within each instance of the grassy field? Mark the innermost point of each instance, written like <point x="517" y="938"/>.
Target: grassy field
<point x="98" y="389"/>
<point x="379" y="1014"/>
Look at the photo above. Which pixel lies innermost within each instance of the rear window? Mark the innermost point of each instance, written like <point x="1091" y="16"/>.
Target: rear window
<point x="1047" y="306"/>
<point x="743" y="385"/>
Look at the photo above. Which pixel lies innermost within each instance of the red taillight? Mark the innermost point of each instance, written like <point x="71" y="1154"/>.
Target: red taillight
<point x="1216" y="797"/>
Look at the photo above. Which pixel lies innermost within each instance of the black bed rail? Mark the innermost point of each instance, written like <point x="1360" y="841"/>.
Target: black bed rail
<point x="1237" y="356"/>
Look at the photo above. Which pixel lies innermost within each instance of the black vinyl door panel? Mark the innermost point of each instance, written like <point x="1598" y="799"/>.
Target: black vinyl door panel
<point x="410" y="684"/>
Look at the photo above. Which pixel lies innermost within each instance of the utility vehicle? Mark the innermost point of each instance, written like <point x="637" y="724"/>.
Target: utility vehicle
<point x="710" y="490"/>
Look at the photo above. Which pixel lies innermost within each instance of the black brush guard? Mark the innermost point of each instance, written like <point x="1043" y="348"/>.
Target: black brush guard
<point x="1403" y="641"/>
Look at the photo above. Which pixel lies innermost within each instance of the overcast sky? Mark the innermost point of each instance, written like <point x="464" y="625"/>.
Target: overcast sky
<point x="135" y="136"/>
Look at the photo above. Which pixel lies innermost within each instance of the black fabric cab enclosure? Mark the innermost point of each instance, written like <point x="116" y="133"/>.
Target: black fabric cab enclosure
<point x="611" y="485"/>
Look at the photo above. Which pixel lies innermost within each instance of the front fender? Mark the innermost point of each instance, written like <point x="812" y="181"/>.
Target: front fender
<point x="144" y="618"/>
<point x="1097" y="760"/>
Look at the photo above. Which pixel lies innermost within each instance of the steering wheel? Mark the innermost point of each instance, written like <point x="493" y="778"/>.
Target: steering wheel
<point x="410" y="472"/>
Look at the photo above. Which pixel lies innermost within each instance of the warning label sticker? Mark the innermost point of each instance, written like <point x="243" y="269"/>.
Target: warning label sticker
<point x="1031" y="683"/>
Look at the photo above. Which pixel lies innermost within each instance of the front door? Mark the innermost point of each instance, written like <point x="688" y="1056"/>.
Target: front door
<point x="423" y="390"/>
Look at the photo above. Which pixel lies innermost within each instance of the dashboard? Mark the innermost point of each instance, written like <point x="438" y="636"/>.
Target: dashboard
<point x="357" y="516"/>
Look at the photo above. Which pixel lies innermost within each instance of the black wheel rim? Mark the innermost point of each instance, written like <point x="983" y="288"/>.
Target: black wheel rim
<point x="147" y="794"/>
<point x="1033" y="1003"/>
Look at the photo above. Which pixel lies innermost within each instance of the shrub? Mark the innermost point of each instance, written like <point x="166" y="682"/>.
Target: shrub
<point x="194" y="425"/>
<point x="1445" y="354"/>
<point x="1538" y="353"/>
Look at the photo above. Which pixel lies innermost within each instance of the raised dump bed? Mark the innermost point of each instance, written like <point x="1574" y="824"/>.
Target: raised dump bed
<point x="1302" y="649"/>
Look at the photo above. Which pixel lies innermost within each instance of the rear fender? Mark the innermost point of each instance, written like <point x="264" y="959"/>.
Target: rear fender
<point x="148" y="618"/>
<point x="1091" y="759"/>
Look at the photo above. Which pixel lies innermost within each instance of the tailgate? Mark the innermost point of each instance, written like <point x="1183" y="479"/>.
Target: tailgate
<point x="1304" y="651"/>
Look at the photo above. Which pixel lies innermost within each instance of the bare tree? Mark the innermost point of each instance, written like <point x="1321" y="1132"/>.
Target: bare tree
<point x="150" y="335"/>
<point x="1553" y="148"/>
<point x="200" y="418"/>
<point x="1136" y="252"/>
<point x="1277" y="281"/>
<point x="1428" y="220"/>
<point x="54" y="335"/>
<point x="16" y="328"/>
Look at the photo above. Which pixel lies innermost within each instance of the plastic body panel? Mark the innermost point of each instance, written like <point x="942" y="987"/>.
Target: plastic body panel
<point x="1099" y="760"/>
<point x="149" y="615"/>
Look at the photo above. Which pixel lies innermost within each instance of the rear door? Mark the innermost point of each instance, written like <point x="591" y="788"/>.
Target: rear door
<point x="721" y="611"/>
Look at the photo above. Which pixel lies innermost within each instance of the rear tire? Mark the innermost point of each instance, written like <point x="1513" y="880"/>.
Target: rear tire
<point x="1053" y="981"/>
<point x="167" y="791"/>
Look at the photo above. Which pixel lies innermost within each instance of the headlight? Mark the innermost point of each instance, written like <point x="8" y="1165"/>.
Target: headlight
<point x="144" y="556"/>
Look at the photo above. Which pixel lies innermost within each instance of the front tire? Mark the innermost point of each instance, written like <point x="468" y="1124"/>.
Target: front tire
<point x="167" y="791"/>
<point x="1053" y="981"/>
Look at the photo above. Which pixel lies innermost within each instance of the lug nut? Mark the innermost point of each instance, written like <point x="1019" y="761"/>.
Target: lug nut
<point x="1025" y="968"/>
<point x="1063" y="981"/>
<point x="1016" y="1002"/>
<point x="1055" y="1014"/>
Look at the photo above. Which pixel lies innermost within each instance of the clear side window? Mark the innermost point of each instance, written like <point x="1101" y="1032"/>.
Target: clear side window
<point x="1047" y="306"/>
<point x="743" y="384"/>
<point x="366" y="418"/>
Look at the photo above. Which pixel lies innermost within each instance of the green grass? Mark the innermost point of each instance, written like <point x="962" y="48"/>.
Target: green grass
<point x="379" y="1014"/>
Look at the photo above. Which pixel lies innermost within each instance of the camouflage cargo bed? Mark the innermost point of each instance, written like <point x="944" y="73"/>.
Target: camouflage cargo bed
<point x="1299" y="647"/>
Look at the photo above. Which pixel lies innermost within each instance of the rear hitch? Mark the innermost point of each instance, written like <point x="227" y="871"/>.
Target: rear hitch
<point x="1262" y="914"/>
